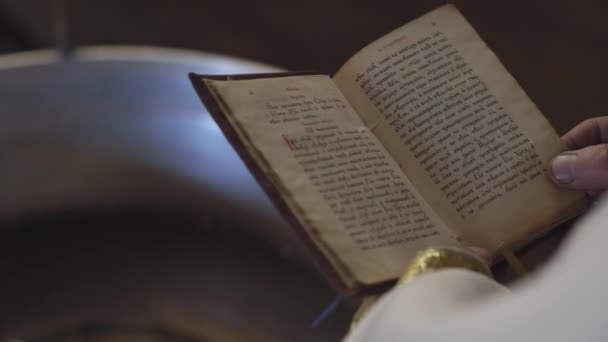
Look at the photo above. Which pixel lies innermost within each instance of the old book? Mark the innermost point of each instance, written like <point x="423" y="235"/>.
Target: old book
<point x="421" y="139"/>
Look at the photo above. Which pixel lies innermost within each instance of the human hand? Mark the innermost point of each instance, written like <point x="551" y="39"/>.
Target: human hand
<point x="585" y="165"/>
<point x="481" y="253"/>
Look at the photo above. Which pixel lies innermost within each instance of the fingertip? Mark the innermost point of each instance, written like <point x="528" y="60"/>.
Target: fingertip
<point x="562" y="170"/>
<point x="585" y="169"/>
<point x="481" y="253"/>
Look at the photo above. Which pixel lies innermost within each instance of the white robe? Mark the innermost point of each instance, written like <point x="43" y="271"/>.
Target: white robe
<point x="566" y="301"/>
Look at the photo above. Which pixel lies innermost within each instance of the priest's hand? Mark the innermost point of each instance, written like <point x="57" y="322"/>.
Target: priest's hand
<point x="585" y="165"/>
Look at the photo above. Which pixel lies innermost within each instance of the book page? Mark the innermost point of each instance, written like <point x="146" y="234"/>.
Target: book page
<point x="344" y="187"/>
<point x="461" y="128"/>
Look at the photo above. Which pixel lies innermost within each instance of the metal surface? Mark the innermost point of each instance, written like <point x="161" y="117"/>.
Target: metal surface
<point x="116" y="126"/>
<point x="108" y="163"/>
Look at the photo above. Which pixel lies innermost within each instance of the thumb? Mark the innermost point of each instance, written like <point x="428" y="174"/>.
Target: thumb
<point x="584" y="169"/>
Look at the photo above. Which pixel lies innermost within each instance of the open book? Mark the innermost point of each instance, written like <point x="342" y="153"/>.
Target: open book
<point x="421" y="139"/>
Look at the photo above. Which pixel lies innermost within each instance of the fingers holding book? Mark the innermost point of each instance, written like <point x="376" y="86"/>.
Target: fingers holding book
<point x="585" y="165"/>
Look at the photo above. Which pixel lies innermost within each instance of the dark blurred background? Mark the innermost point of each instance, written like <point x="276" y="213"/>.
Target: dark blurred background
<point x="556" y="49"/>
<point x="163" y="274"/>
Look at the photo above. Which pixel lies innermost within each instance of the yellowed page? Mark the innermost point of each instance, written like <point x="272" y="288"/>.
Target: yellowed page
<point x="346" y="190"/>
<point x="462" y="129"/>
